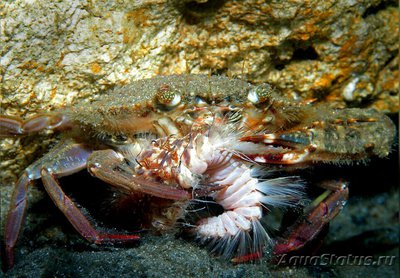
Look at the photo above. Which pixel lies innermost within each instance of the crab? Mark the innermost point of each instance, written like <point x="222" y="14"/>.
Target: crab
<point x="182" y="138"/>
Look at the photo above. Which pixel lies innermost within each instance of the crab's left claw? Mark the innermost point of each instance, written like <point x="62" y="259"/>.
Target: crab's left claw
<point x="283" y="148"/>
<point x="338" y="136"/>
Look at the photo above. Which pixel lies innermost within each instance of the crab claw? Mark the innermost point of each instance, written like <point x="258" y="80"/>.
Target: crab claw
<point x="292" y="139"/>
<point x="284" y="148"/>
<point x="338" y="136"/>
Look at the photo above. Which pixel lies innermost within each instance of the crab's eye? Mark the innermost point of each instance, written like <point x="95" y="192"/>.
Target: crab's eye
<point x="167" y="97"/>
<point x="200" y="102"/>
<point x="118" y="139"/>
<point x="260" y="94"/>
<point x="121" y="138"/>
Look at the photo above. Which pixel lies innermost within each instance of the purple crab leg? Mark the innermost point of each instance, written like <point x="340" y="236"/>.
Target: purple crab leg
<point x="75" y="216"/>
<point x="15" y="217"/>
<point x="12" y="126"/>
<point x="66" y="158"/>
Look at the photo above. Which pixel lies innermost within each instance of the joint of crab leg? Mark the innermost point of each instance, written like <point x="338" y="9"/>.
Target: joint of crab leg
<point x="319" y="216"/>
<point x="74" y="215"/>
<point x="10" y="126"/>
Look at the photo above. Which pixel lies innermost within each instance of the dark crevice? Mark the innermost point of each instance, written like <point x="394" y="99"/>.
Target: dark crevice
<point x="206" y="7"/>
<point x="299" y="54"/>
<point x="194" y="12"/>
<point x="219" y="71"/>
<point x="280" y="66"/>
<point x="381" y="6"/>
<point x="308" y="53"/>
<point x="393" y="55"/>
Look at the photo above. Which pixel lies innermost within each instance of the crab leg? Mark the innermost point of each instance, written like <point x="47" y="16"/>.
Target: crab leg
<point x="19" y="201"/>
<point x="15" y="217"/>
<point x="75" y="216"/>
<point x="12" y="126"/>
<point x="319" y="216"/>
<point x="66" y="158"/>
<point x="111" y="167"/>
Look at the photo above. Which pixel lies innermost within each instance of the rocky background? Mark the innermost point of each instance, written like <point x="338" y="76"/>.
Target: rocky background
<point x="54" y="53"/>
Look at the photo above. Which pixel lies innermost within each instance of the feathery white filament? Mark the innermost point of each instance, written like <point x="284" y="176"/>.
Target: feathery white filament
<point x="238" y="229"/>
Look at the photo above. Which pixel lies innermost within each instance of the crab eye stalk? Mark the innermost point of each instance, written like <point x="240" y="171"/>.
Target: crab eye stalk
<point x="167" y="98"/>
<point x="120" y="138"/>
<point x="260" y="94"/>
<point x="200" y="102"/>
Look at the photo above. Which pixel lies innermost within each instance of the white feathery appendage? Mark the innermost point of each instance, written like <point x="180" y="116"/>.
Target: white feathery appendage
<point x="237" y="231"/>
<point x="234" y="233"/>
<point x="281" y="192"/>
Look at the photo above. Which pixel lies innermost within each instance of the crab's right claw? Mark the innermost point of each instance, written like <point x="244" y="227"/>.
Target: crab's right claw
<point x="348" y="135"/>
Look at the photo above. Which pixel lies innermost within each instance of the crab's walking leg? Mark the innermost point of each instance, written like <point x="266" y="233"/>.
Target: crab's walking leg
<point x="11" y="126"/>
<point x="58" y="157"/>
<point x="74" y="215"/>
<point x="319" y="216"/>
<point x="66" y="158"/>
<point x="15" y="217"/>
<point x="111" y="167"/>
